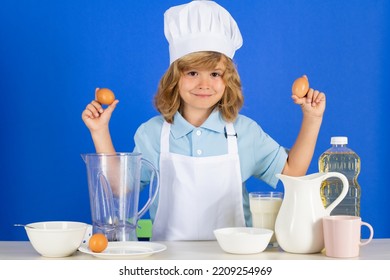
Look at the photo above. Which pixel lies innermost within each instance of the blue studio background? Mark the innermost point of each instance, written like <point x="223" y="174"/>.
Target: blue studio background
<point x="53" y="54"/>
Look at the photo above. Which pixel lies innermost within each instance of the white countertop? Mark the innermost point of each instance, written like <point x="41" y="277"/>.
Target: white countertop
<point x="378" y="249"/>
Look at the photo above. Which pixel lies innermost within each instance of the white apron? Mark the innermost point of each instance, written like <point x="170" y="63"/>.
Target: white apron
<point x="198" y="194"/>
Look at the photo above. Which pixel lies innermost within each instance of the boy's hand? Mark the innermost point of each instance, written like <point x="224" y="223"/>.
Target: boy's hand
<point x="97" y="118"/>
<point x="313" y="104"/>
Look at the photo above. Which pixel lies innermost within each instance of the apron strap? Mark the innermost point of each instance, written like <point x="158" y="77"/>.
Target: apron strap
<point x="164" y="142"/>
<point x="232" y="139"/>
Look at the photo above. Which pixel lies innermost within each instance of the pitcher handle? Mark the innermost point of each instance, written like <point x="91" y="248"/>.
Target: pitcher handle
<point x="344" y="192"/>
<point x="152" y="194"/>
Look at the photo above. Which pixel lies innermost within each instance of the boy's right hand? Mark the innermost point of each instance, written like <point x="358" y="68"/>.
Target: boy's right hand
<point x="95" y="117"/>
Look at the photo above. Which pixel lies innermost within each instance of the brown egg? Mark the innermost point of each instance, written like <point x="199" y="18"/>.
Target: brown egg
<point x="105" y="96"/>
<point x="300" y="86"/>
<point x="98" y="243"/>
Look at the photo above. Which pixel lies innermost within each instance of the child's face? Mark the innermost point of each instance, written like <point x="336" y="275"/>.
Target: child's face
<point x="201" y="89"/>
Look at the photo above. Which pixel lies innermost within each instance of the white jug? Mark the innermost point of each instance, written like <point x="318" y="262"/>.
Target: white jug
<point x="298" y="226"/>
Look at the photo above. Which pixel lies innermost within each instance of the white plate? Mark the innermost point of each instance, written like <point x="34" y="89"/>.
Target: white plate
<point x="126" y="250"/>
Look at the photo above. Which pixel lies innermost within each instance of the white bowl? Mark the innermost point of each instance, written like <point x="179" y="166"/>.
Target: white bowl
<point x="243" y="240"/>
<point x="57" y="238"/>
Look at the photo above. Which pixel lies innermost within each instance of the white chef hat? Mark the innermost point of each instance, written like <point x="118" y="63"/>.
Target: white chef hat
<point x="200" y="26"/>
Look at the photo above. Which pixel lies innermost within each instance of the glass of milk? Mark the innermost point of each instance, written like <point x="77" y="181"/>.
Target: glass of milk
<point x="264" y="207"/>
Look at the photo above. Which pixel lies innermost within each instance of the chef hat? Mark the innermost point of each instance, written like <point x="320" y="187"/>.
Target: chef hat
<point x="200" y="26"/>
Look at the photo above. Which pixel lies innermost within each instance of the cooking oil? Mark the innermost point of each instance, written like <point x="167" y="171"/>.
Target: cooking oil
<point x="340" y="158"/>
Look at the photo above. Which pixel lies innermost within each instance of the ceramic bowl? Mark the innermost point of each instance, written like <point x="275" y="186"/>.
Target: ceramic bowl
<point x="56" y="239"/>
<point x="243" y="240"/>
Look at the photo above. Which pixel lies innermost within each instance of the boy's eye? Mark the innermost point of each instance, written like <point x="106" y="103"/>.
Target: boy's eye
<point x="192" y="73"/>
<point x="215" y="74"/>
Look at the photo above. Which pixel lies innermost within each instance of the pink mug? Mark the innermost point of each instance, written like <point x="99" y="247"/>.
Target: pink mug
<point x="342" y="236"/>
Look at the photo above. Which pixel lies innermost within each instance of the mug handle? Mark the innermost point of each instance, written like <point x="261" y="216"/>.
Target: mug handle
<point x="155" y="178"/>
<point x="371" y="233"/>
<point x="344" y="192"/>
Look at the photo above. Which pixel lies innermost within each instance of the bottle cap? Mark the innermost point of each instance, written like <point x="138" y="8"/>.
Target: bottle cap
<point x="339" y="140"/>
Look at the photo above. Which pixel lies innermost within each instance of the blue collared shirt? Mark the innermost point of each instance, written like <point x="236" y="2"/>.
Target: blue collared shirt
<point x="260" y="155"/>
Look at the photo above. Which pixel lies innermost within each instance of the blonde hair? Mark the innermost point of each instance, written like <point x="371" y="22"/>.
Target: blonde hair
<point x="167" y="99"/>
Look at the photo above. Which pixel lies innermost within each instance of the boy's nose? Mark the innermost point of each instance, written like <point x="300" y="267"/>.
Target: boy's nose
<point x="204" y="82"/>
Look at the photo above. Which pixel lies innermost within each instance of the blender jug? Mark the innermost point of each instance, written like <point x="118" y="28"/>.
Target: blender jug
<point x="114" y="190"/>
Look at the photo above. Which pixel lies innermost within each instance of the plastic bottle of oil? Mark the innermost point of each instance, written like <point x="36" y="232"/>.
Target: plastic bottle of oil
<point x="340" y="158"/>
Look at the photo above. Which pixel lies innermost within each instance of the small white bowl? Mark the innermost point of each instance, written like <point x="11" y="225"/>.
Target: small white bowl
<point x="56" y="239"/>
<point x="243" y="240"/>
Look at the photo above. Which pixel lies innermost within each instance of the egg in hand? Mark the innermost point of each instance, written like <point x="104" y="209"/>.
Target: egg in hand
<point x="300" y="86"/>
<point x="105" y="96"/>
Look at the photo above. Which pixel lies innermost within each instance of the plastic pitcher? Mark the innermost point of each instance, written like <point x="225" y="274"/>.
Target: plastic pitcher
<point x="114" y="189"/>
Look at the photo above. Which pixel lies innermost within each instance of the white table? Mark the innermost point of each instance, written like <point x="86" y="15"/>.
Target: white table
<point x="378" y="249"/>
